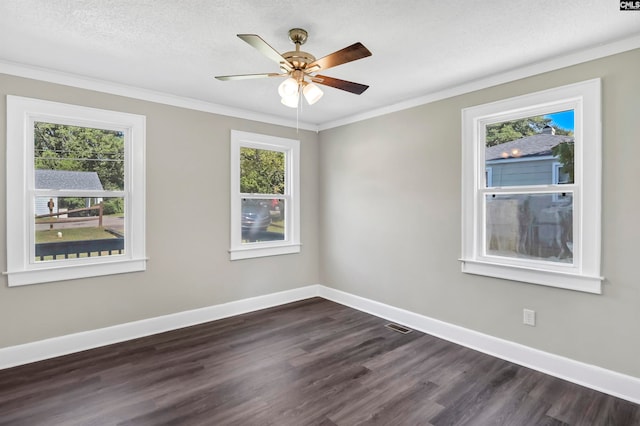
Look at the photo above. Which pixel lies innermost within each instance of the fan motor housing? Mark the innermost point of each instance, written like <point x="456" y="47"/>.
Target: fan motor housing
<point x="299" y="59"/>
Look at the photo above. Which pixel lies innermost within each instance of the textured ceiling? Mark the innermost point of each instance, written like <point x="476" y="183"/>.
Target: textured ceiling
<point x="419" y="46"/>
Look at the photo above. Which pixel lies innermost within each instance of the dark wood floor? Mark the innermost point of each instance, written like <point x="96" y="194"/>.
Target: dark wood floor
<point x="307" y="363"/>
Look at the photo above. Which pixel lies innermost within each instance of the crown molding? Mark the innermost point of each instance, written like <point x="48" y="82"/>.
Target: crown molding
<point x="45" y="74"/>
<point x="82" y="82"/>
<point x="558" y="62"/>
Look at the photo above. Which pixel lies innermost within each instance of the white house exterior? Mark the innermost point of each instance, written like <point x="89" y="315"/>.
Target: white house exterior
<point x="64" y="180"/>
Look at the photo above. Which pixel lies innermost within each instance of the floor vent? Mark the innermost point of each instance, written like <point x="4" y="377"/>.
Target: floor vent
<point x="399" y="328"/>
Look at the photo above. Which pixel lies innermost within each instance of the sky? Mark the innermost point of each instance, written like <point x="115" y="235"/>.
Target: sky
<point x="563" y="119"/>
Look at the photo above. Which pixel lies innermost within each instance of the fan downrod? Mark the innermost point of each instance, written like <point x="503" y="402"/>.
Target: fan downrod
<point x="298" y="58"/>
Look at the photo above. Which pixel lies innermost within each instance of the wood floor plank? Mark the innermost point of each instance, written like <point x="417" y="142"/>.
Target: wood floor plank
<point x="312" y="362"/>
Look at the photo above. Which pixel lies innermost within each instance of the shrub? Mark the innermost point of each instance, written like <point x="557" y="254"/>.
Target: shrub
<point x="113" y="206"/>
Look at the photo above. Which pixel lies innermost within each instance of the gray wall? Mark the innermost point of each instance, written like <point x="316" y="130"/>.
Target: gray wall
<point x="391" y="218"/>
<point x="187" y="226"/>
<point x="380" y="219"/>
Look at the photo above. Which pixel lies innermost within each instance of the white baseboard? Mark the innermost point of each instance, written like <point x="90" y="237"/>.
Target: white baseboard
<point x="591" y="376"/>
<point x="600" y="379"/>
<point x="49" y="348"/>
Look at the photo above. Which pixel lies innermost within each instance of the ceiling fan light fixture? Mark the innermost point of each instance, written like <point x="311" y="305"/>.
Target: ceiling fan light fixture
<point x="312" y="93"/>
<point x="291" y="101"/>
<point x="289" y="87"/>
<point x="299" y="67"/>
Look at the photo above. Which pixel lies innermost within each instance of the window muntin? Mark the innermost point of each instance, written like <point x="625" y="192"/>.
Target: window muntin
<point x="78" y="189"/>
<point x="264" y="195"/>
<point x="525" y="218"/>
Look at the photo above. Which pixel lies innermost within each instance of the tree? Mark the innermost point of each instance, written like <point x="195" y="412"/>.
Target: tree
<point x="73" y="148"/>
<point x="561" y="131"/>
<point x="564" y="151"/>
<point x="508" y="131"/>
<point x="262" y="171"/>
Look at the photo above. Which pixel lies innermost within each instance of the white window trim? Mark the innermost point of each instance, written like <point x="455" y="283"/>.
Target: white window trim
<point x="291" y="243"/>
<point x="555" y="172"/>
<point x="21" y="266"/>
<point x="488" y="176"/>
<point x="555" y="176"/>
<point x="584" y="274"/>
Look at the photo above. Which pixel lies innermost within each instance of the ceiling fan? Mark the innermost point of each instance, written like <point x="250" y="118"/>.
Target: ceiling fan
<point x="301" y="68"/>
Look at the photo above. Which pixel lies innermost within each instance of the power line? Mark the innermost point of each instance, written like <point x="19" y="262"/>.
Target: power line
<point x="73" y="151"/>
<point x="79" y="159"/>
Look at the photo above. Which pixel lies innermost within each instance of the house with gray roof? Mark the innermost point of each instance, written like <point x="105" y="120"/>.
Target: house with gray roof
<point x="526" y="161"/>
<point x="65" y="180"/>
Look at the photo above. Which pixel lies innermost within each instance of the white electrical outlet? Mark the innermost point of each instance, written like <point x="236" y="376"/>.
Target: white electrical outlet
<point x="529" y="317"/>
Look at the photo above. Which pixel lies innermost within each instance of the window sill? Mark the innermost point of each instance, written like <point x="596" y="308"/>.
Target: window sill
<point x="251" y="252"/>
<point x="585" y="283"/>
<point x="71" y="272"/>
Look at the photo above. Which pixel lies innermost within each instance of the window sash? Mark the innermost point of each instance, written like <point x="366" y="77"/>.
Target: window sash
<point x="483" y="225"/>
<point x="72" y="194"/>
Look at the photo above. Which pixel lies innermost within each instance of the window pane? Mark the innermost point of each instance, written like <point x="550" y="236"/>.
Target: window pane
<point x="75" y="227"/>
<point x="524" y="152"/>
<point x="262" y="171"/>
<point x="78" y="158"/>
<point x="530" y="226"/>
<point x="262" y="220"/>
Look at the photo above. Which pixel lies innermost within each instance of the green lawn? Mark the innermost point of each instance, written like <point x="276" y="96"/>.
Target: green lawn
<point x="276" y="226"/>
<point x="72" y="234"/>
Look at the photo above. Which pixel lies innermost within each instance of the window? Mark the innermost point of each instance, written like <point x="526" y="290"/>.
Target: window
<point x="75" y="207"/>
<point x="488" y="175"/>
<point x="559" y="175"/>
<point x="265" y="205"/>
<point x="531" y="188"/>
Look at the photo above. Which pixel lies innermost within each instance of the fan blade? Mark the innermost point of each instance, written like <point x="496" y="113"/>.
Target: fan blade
<point x="348" y="86"/>
<point x="249" y="76"/>
<point x="351" y="53"/>
<point x="263" y="47"/>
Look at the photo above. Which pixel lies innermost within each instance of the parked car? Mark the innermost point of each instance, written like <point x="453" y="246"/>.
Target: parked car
<point x="255" y="216"/>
